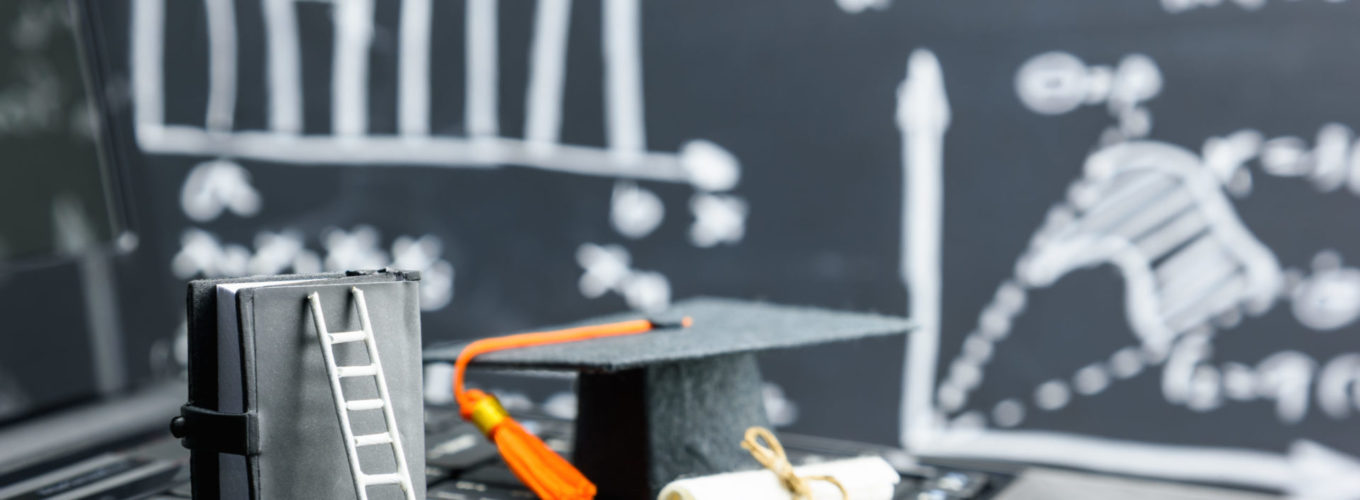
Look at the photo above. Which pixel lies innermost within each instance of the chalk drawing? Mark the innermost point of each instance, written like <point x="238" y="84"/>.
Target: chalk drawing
<point x="608" y="268"/>
<point x="718" y="219"/>
<point x="1331" y="163"/>
<point x="1329" y="299"/>
<point x="923" y="116"/>
<point x="200" y="254"/>
<point x="413" y="68"/>
<point x="276" y="253"/>
<point x="215" y="186"/>
<point x="203" y="254"/>
<point x="353" y="249"/>
<point x="1052" y="395"/>
<point x="1055" y="83"/>
<point x="635" y="211"/>
<point x="543" y="120"/>
<point x="349" y="82"/>
<point x="283" y="58"/>
<point x="480" y="23"/>
<point x="1160" y="216"/>
<point x="1181" y="6"/>
<point x="1008" y="413"/>
<point x="221" y="111"/>
<point x="218" y="184"/>
<point x="858" y="6"/>
<point x="1339" y="386"/>
<point x="350" y="143"/>
<point x="1147" y="202"/>
<point x="436" y="275"/>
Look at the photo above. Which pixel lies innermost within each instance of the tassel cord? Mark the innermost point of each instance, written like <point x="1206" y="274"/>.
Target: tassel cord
<point x="540" y="468"/>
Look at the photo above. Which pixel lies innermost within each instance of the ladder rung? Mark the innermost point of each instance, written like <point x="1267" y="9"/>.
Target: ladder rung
<point x="372" y="439"/>
<point x="356" y="371"/>
<point x="373" y="479"/>
<point x="391" y="436"/>
<point x="342" y="337"/>
<point x="364" y="404"/>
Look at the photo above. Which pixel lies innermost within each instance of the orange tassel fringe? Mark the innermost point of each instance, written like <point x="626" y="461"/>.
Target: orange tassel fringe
<point x="544" y="471"/>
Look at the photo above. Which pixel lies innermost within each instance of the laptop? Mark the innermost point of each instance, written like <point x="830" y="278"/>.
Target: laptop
<point x="73" y="396"/>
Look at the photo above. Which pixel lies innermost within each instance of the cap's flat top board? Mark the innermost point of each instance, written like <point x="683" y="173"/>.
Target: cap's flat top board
<point x="721" y="326"/>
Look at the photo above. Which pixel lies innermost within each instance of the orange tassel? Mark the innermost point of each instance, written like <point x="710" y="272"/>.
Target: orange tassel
<point x="540" y="468"/>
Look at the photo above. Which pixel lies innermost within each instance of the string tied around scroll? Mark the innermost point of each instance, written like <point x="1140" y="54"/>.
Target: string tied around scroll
<point x="771" y="455"/>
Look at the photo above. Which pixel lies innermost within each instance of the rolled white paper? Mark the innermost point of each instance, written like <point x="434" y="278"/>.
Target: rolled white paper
<point x="864" y="478"/>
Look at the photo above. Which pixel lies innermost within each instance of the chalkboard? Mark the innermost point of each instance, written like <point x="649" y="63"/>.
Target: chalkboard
<point x="1124" y="227"/>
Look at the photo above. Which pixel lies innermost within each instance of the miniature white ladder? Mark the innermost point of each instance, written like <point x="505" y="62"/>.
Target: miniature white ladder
<point x="402" y="477"/>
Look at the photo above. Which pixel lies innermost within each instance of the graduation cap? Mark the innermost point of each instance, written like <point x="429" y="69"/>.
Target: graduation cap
<point x="675" y="401"/>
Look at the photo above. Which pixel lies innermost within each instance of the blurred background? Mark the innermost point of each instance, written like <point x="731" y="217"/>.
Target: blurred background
<point x="1118" y="224"/>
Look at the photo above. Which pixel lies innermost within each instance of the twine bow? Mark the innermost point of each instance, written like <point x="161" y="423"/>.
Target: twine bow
<point x="771" y="455"/>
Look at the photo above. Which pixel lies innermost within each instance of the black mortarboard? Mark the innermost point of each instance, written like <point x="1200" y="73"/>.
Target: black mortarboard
<point x="672" y="402"/>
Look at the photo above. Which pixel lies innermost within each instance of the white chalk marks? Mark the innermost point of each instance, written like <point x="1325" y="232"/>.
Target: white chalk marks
<point x="635" y="211"/>
<point x="203" y="254"/>
<point x="218" y="185"/>
<point x="923" y="117"/>
<point x="1163" y="218"/>
<point x="718" y="219"/>
<point x="425" y="254"/>
<point x="608" y="268"/>
<point x="215" y="186"/>
<point x="1151" y="211"/>
<point x="1055" y="83"/>
<point x="1181" y="6"/>
<point x="350" y="142"/>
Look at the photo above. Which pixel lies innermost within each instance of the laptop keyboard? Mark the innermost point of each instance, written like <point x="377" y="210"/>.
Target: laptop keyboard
<point x="463" y="465"/>
<point x="460" y="465"/>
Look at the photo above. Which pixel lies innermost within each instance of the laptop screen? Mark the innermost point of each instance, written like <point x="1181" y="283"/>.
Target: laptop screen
<point x="57" y="221"/>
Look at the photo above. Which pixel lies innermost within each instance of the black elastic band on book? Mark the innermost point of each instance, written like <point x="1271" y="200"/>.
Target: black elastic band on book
<point x="209" y="430"/>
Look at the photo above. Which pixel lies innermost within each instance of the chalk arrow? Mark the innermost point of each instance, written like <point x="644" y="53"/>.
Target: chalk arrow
<point x="1322" y="473"/>
<point x="923" y="116"/>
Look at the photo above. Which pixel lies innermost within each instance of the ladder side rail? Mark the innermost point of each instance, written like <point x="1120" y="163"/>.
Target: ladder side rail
<point x="337" y="393"/>
<point x="371" y="343"/>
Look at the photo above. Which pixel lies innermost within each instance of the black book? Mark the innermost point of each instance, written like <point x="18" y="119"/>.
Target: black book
<point x="262" y="422"/>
